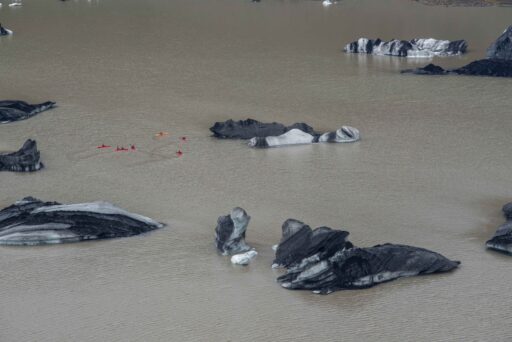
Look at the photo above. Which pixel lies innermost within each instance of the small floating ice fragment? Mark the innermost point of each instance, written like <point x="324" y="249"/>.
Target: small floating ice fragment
<point x="244" y="258"/>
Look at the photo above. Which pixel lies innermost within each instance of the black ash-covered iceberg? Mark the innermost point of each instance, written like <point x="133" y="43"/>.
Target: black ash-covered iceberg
<point x="250" y="128"/>
<point x="502" y="239"/>
<point x="230" y="232"/>
<point x="4" y="31"/>
<point x="502" y="47"/>
<point x="497" y="64"/>
<point x="33" y="222"/>
<point x="357" y="268"/>
<point x="13" y="110"/>
<point x="263" y="135"/>
<point x="299" y="243"/>
<point x="422" y="47"/>
<point x="26" y="159"/>
<point x="323" y="260"/>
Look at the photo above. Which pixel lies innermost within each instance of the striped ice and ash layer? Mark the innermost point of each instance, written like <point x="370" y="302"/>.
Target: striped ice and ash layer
<point x="33" y="222"/>
<point x="502" y="47"/>
<point x="300" y="244"/>
<point x="345" y="134"/>
<point x="502" y="238"/>
<point x="352" y="268"/>
<point x="415" y="48"/>
<point x="230" y="232"/>
<point x="26" y="159"/>
<point x="14" y="110"/>
<point x="4" y="31"/>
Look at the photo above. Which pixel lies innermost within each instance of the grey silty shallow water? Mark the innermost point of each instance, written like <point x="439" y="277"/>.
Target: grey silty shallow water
<point x="432" y="170"/>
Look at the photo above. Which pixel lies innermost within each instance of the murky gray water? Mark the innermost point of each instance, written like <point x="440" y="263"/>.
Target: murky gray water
<point x="432" y="170"/>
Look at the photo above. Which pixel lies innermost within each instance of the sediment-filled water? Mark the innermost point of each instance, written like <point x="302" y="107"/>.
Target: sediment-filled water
<point x="432" y="168"/>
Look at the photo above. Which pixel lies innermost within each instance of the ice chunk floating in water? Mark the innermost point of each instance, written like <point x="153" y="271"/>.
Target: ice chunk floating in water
<point x="355" y="268"/>
<point x="323" y="260"/>
<point x="25" y="159"/>
<point x="502" y="239"/>
<point x="300" y="244"/>
<point x="274" y="134"/>
<point x="497" y="64"/>
<point x="423" y="47"/>
<point x="502" y="47"/>
<point x="346" y="134"/>
<point x="20" y="110"/>
<point x="33" y="222"/>
<point x="230" y="232"/>
<point x="244" y="258"/>
<point x="3" y="30"/>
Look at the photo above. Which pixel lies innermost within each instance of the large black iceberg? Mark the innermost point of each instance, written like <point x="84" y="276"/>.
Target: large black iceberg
<point x="33" y="222"/>
<point x="323" y="260"/>
<point x="26" y="159"/>
<point x="502" y="239"/>
<point x="497" y="64"/>
<point x="357" y="268"/>
<point x="420" y="47"/>
<point x="250" y="128"/>
<point x="13" y="110"/>
<point x="502" y="47"/>
<point x="230" y="232"/>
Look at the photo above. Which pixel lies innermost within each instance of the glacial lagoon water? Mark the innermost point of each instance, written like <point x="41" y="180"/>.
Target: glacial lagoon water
<point x="432" y="168"/>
